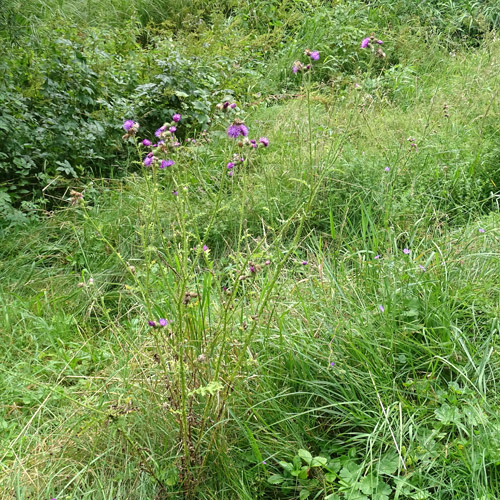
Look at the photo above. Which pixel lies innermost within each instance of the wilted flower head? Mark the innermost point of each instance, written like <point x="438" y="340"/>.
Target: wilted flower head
<point x="76" y="197"/>
<point x="264" y="141"/>
<point x="297" y="66"/>
<point x="236" y="129"/>
<point x="365" y="42"/>
<point x="176" y="117"/>
<point x="151" y="323"/>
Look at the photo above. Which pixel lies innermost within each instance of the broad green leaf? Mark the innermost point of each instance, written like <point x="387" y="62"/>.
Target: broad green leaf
<point x="318" y="461"/>
<point x="275" y="479"/>
<point x="306" y="456"/>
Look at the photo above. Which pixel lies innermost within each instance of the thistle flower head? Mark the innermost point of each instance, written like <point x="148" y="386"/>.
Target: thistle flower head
<point x="167" y="163"/>
<point x="176" y="117"/>
<point x="148" y="160"/>
<point x="365" y="42"/>
<point x="128" y="124"/>
<point x="146" y="142"/>
<point x="237" y="128"/>
<point x="264" y="141"/>
<point x="173" y="129"/>
<point x="297" y="66"/>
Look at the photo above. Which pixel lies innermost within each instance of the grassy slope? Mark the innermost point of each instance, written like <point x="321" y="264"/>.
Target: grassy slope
<point x="421" y="374"/>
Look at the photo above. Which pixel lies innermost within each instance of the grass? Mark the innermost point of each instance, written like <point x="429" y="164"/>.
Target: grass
<point x="307" y="354"/>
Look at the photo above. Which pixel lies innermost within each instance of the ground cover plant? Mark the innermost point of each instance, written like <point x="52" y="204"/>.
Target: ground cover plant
<point x="259" y="260"/>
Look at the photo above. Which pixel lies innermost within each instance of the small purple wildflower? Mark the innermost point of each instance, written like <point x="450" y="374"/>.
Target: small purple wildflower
<point x="225" y="105"/>
<point x="230" y="173"/>
<point x="314" y="55"/>
<point x="264" y="141"/>
<point x="297" y="66"/>
<point x="148" y="160"/>
<point x="233" y="105"/>
<point x="152" y="324"/>
<point x="406" y="251"/>
<point x="481" y="230"/>
<point x="163" y="322"/>
<point x="357" y="86"/>
<point x="304" y="262"/>
<point x="128" y="124"/>
<point x="387" y="169"/>
<point x="176" y="117"/>
<point x="174" y="192"/>
<point x="252" y="268"/>
<point x="332" y="363"/>
<point x="205" y="248"/>
<point x="365" y="42"/>
<point x="146" y="142"/>
<point x="381" y="308"/>
<point x="422" y="267"/>
<point x="377" y="257"/>
<point x="230" y="165"/>
<point x="173" y="129"/>
<point x="380" y="42"/>
<point x="264" y="462"/>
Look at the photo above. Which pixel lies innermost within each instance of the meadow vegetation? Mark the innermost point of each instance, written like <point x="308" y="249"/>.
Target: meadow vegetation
<point x="315" y="315"/>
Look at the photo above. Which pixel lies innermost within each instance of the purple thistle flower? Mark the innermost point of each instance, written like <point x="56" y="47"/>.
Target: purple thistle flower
<point x="387" y="169"/>
<point x="205" y="248"/>
<point x="233" y="105"/>
<point x="148" y="160"/>
<point x="236" y="129"/>
<point x="381" y="308"/>
<point x="173" y="129"/>
<point x="151" y="323"/>
<point x="406" y="251"/>
<point x="225" y="105"/>
<point x="160" y="131"/>
<point x="230" y="165"/>
<point x="304" y="262"/>
<point x="377" y="257"/>
<point x="233" y="131"/>
<point x="167" y="163"/>
<point x="174" y="192"/>
<point x="264" y="141"/>
<point x="252" y="268"/>
<point x="146" y="142"/>
<point x="176" y="117"/>
<point x="365" y="42"/>
<point x="481" y="230"/>
<point x="314" y="55"/>
<point x="332" y="363"/>
<point x="163" y="322"/>
<point x="230" y="173"/>
<point x="128" y="124"/>
<point x="380" y="42"/>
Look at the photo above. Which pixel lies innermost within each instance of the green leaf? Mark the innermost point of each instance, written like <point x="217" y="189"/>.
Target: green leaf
<point x="275" y="479"/>
<point x="368" y="484"/>
<point x="330" y="477"/>
<point x="448" y="414"/>
<point x="388" y="464"/>
<point x="304" y="494"/>
<point x="318" y="462"/>
<point x="306" y="456"/>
